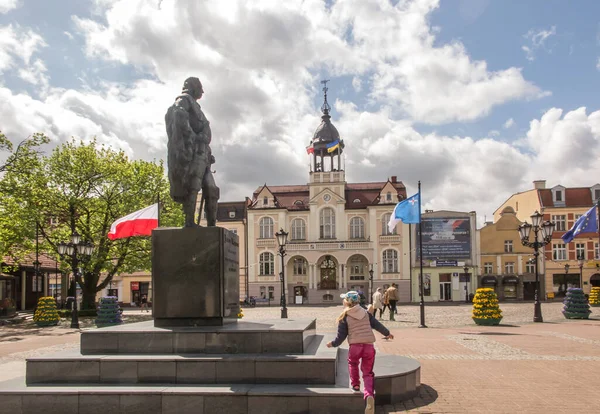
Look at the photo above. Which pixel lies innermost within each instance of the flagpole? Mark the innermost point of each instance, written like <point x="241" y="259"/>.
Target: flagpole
<point x="410" y="267"/>
<point x="158" y="205"/>
<point x="598" y="225"/>
<point x="422" y="302"/>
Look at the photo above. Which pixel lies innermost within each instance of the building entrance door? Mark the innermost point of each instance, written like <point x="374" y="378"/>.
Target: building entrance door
<point x="328" y="275"/>
<point x="445" y="290"/>
<point x="528" y="290"/>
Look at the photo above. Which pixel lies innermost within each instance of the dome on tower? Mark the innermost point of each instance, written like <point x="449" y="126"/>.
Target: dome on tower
<point x="326" y="132"/>
<point x="326" y="138"/>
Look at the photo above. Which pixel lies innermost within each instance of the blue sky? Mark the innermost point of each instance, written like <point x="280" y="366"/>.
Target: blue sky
<point x="475" y="98"/>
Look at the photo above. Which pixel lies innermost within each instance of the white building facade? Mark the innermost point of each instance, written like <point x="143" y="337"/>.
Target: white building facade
<point x="337" y="232"/>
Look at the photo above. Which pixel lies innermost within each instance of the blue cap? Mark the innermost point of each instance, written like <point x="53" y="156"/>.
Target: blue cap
<point x="351" y="296"/>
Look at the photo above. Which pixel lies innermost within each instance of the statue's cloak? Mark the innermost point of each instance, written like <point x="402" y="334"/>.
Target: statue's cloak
<point x="180" y="151"/>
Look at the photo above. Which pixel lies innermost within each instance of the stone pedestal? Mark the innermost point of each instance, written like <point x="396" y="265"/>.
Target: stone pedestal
<point x="195" y="276"/>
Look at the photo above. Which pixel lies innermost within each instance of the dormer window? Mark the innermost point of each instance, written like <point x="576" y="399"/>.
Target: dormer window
<point x="388" y="196"/>
<point x="596" y="193"/>
<point x="558" y="195"/>
<point x="265" y="201"/>
<point x="356" y="200"/>
<point x="298" y="202"/>
<point x="232" y="214"/>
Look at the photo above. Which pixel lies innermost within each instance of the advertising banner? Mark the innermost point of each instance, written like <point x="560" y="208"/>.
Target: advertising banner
<point x="445" y="238"/>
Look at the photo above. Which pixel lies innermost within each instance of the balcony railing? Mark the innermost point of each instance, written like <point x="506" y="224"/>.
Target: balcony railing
<point x="265" y="243"/>
<point x="337" y="245"/>
<point x="392" y="238"/>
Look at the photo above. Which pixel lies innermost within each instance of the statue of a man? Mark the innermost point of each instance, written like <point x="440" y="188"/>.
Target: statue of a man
<point x="189" y="156"/>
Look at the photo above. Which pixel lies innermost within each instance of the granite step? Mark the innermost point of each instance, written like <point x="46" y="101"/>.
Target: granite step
<point x="287" y="336"/>
<point x="73" y="367"/>
<point x="16" y="397"/>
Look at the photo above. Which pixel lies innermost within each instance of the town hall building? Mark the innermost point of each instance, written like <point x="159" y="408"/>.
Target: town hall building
<point x="338" y="231"/>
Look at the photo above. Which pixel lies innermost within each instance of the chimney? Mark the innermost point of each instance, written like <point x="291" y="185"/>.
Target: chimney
<point x="539" y="184"/>
<point x="394" y="178"/>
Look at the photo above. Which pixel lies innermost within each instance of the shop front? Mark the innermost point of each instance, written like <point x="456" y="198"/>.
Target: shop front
<point x="510" y="288"/>
<point x="490" y="282"/>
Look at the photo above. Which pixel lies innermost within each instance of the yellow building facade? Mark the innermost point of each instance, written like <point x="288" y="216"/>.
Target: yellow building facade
<point x="505" y="264"/>
<point x="562" y="265"/>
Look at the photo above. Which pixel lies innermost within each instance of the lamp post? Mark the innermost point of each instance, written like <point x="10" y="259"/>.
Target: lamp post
<point x="466" y="269"/>
<point x="566" y="274"/>
<point x="546" y="229"/>
<point x="282" y="241"/>
<point x="73" y="250"/>
<point x="580" y="261"/>
<point x="370" y="298"/>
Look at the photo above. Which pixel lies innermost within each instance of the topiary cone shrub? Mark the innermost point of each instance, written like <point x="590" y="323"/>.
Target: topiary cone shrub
<point x="595" y="297"/>
<point x="576" y="304"/>
<point x="109" y="312"/>
<point x="486" y="310"/>
<point x="46" y="313"/>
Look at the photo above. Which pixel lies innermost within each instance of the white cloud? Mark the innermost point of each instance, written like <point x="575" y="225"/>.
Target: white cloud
<point x="537" y="40"/>
<point x="8" y="5"/>
<point x="393" y="46"/>
<point x="509" y="123"/>
<point x="261" y="106"/>
<point x="493" y="133"/>
<point x="598" y="63"/>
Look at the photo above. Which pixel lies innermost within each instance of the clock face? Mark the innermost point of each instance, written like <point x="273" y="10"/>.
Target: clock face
<point x="326" y="197"/>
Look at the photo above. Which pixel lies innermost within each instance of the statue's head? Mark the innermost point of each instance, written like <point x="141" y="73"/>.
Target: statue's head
<point x="193" y="86"/>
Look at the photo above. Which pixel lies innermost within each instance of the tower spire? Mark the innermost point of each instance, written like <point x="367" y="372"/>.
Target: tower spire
<point x="325" y="108"/>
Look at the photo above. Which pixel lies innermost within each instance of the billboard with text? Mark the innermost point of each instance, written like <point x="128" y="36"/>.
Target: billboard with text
<point x="445" y="238"/>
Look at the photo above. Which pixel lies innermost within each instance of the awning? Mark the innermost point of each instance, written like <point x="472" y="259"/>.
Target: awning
<point x="510" y="280"/>
<point x="489" y="280"/>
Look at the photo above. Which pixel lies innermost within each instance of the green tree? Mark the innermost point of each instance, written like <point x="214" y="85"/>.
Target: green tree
<point x="85" y="188"/>
<point x="15" y="240"/>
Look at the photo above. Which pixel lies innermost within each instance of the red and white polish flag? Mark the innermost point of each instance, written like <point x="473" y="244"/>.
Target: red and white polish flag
<point x="139" y="223"/>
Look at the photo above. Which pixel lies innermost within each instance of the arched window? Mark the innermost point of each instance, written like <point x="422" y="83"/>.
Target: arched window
<point x="390" y="261"/>
<point x="267" y="264"/>
<point x="357" y="228"/>
<point x="385" y="219"/>
<point x="298" y="229"/>
<point x="300" y="265"/>
<point x="327" y="224"/>
<point x="388" y="196"/>
<point x="266" y="228"/>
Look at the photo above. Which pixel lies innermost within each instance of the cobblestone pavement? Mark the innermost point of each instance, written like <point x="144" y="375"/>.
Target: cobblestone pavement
<point x="517" y="367"/>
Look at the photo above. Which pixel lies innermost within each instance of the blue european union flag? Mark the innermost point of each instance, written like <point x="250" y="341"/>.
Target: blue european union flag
<point x="408" y="211"/>
<point x="584" y="224"/>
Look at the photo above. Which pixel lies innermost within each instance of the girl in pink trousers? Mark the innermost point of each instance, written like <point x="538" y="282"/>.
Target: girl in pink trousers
<point x="356" y="324"/>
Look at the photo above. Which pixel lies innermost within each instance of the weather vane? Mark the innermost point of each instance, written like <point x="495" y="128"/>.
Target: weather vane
<point x="325" y="107"/>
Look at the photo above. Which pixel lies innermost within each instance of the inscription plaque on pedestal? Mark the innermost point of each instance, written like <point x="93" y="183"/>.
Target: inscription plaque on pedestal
<point x="195" y="276"/>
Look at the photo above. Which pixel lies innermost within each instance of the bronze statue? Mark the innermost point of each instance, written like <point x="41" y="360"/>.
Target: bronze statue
<point x="189" y="156"/>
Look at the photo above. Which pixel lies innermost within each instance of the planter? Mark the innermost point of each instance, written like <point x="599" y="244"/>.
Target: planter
<point x="487" y="322"/>
<point x="576" y="315"/>
<point x="48" y="323"/>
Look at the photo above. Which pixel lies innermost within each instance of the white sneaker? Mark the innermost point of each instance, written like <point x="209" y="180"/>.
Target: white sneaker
<point x="370" y="408"/>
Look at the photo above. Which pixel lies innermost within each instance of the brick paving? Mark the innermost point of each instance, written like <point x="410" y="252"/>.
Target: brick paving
<point x="518" y="367"/>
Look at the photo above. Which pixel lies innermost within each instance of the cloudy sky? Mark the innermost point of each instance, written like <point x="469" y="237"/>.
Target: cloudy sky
<point x="475" y="98"/>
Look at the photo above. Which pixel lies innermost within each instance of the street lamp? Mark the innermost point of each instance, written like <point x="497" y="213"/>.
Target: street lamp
<point x="566" y="274"/>
<point x="370" y="298"/>
<point x="72" y="250"/>
<point x="580" y="261"/>
<point x="466" y="269"/>
<point x="546" y="229"/>
<point x="282" y="241"/>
